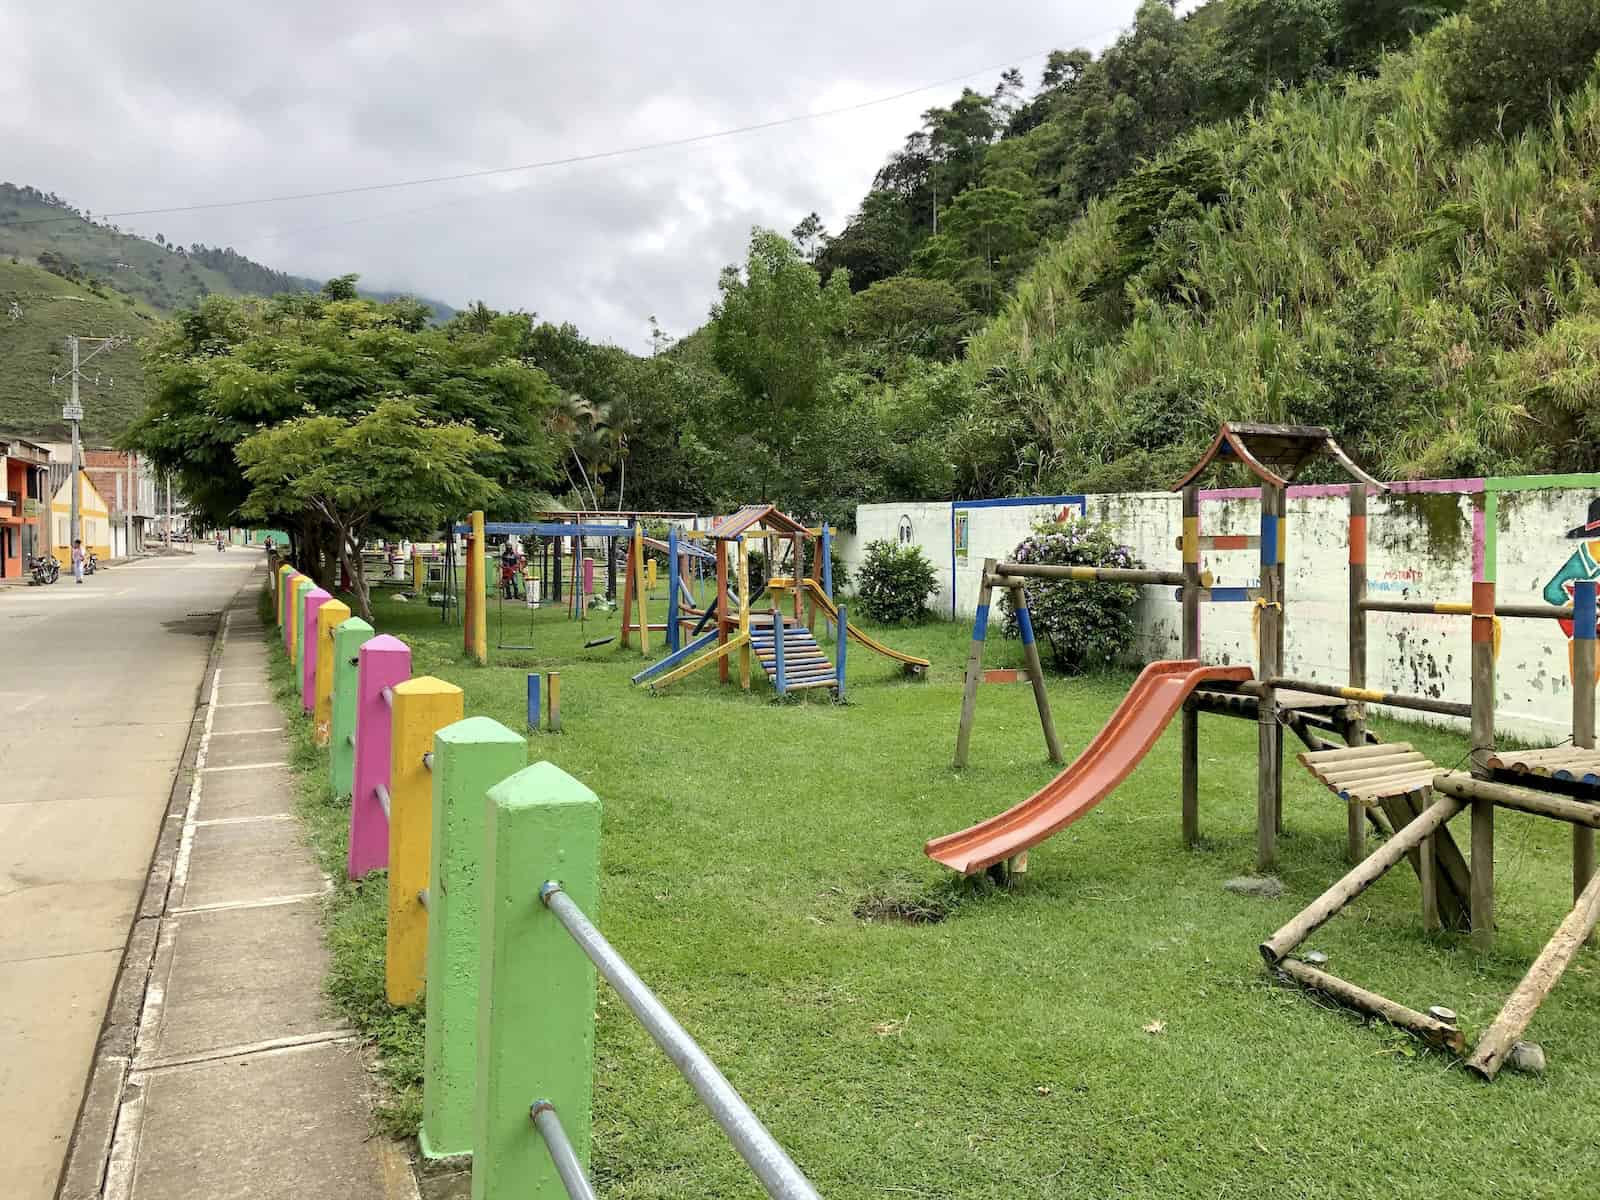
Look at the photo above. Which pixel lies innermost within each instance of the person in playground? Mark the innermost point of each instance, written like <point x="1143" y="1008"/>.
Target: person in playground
<point x="77" y="559"/>
<point x="508" y="571"/>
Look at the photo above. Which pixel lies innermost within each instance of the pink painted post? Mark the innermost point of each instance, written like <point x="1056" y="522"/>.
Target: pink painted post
<point x="314" y="601"/>
<point x="384" y="661"/>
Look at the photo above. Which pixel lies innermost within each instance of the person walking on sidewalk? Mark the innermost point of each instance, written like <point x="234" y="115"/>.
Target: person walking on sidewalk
<point x="77" y="559"/>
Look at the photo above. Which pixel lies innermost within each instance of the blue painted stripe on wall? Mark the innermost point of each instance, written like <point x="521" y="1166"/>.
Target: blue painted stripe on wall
<point x="1026" y="623"/>
<point x="1021" y="502"/>
<point x="980" y="627"/>
<point x="1583" y="610"/>
<point x="1269" y="540"/>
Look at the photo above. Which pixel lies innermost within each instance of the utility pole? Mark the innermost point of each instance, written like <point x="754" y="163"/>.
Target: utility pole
<point x="72" y="413"/>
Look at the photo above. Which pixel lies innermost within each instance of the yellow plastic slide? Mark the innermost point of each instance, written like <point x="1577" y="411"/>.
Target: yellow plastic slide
<point x="814" y="590"/>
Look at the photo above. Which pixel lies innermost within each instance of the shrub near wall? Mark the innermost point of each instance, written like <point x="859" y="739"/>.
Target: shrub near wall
<point x="895" y="583"/>
<point x="1087" y="626"/>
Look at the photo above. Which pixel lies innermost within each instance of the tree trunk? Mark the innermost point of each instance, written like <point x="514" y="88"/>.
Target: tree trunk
<point x="355" y="569"/>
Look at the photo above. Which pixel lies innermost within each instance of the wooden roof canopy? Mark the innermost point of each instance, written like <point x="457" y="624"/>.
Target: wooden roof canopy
<point x="1273" y="453"/>
<point x="731" y="526"/>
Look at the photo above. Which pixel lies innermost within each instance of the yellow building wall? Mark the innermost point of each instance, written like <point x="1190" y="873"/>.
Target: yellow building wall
<point x="94" y="520"/>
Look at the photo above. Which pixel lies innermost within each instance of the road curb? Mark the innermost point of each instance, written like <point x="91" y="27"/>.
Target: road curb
<point x="83" y="1170"/>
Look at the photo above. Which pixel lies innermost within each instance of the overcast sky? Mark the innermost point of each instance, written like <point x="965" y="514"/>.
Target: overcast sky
<point x="165" y="103"/>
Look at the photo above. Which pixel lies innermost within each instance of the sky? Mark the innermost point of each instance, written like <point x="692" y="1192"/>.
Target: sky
<point x="149" y="104"/>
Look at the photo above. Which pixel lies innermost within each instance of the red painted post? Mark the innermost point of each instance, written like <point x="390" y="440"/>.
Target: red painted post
<point x="384" y="662"/>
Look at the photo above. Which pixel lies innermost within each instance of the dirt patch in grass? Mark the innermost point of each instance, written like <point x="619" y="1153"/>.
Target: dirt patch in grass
<point x="924" y="906"/>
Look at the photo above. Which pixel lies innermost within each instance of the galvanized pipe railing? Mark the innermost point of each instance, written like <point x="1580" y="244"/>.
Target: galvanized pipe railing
<point x="545" y="1120"/>
<point x="382" y="794"/>
<point x="770" y="1162"/>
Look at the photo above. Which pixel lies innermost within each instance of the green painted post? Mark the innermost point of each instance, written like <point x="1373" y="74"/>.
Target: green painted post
<point x="469" y="758"/>
<point x="348" y="639"/>
<point x="536" y="987"/>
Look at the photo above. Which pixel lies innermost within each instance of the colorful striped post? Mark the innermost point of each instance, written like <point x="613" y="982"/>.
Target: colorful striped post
<point x="969" y="688"/>
<point x="311" y="604"/>
<point x="553" y="693"/>
<point x="479" y="627"/>
<point x="672" y="588"/>
<point x="641" y="598"/>
<point x="838" y="653"/>
<point x="1356" y="731"/>
<point x="385" y="662"/>
<point x="1482" y="749"/>
<point x="1030" y="656"/>
<point x="777" y="650"/>
<point x="1189" y="596"/>
<point x="1583" y="670"/>
<point x="536" y="988"/>
<point x="533" y="701"/>
<point x="347" y="642"/>
<point x="469" y="758"/>
<point x="329" y="617"/>
<point x="1269" y="740"/>
<point x="422" y="707"/>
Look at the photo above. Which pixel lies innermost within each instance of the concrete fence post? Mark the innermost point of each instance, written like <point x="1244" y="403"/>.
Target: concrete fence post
<point x="422" y="707"/>
<point x="298" y="586"/>
<point x="329" y="617"/>
<point x="384" y="663"/>
<point x="536" y="988"/>
<point x="311" y="604"/>
<point x="347" y="642"/>
<point x="469" y="757"/>
<point x="280" y="577"/>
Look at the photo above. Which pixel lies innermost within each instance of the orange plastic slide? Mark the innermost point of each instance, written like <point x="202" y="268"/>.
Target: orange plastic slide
<point x="1156" y="696"/>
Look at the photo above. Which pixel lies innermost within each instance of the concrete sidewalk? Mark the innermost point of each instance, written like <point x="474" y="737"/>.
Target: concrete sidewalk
<point x="235" y="1079"/>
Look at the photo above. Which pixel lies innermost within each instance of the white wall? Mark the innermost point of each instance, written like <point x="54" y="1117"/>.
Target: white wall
<point x="1425" y="541"/>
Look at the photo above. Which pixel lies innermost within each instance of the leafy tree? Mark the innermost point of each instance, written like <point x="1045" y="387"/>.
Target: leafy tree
<point x="810" y="237"/>
<point x="979" y="250"/>
<point x="774" y="333"/>
<point x="1508" y="60"/>
<point x="389" y="470"/>
<point x="341" y="287"/>
<point x="909" y="315"/>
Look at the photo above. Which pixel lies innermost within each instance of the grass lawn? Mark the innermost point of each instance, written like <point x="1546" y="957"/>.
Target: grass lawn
<point x="1106" y="1029"/>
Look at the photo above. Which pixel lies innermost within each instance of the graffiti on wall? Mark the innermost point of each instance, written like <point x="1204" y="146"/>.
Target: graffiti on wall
<point x="1582" y="563"/>
<point x="963" y="534"/>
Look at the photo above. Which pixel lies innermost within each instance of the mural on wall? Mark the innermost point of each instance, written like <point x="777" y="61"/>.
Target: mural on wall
<point x="1583" y="563"/>
<point x="906" y="531"/>
<point x="962" y="538"/>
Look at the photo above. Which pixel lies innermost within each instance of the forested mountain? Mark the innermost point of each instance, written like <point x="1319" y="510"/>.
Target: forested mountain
<point x="1379" y="216"/>
<point x="41" y="227"/>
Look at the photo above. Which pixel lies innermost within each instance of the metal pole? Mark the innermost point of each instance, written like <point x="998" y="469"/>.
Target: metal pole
<point x="545" y="1120"/>
<point x="74" y="411"/>
<point x="771" y="1164"/>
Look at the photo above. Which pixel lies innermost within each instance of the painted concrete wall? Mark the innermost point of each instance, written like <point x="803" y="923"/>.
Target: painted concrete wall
<point x="1427" y="540"/>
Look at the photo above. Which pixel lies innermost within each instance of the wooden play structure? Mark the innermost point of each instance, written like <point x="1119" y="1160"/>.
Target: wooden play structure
<point x="780" y="638"/>
<point x="1400" y="792"/>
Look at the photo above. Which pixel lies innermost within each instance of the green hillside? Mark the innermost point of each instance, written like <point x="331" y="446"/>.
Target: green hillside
<point x="37" y="312"/>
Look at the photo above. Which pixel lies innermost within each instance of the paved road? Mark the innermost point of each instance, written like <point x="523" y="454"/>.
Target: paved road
<point x="98" y="685"/>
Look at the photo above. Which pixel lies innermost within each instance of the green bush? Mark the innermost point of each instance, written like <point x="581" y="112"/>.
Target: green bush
<point x="1086" y="626"/>
<point x="895" y="582"/>
<point x="1503" y="64"/>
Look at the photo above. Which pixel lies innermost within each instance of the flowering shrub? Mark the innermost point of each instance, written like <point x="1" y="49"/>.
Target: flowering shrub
<point x="895" y="582"/>
<point x="1086" y="625"/>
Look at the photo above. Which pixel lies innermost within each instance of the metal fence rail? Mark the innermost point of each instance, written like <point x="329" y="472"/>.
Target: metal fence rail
<point x="770" y="1162"/>
<point x="545" y="1120"/>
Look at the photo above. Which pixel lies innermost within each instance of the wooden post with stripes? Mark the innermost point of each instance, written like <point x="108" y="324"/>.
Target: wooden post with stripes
<point x="1583" y="670"/>
<point x="1268" y="732"/>
<point x="1482" y="749"/>
<point x="722" y="608"/>
<point x="1030" y="654"/>
<point x="1191" y="650"/>
<point x="1356" y="728"/>
<point x="744" y="613"/>
<point x="969" y="687"/>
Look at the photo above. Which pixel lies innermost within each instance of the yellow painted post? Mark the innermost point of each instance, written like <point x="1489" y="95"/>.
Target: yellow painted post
<point x="744" y="616"/>
<point x="650" y="575"/>
<point x="553" y="693"/>
<point x="480" y="606"/>
<point x="422" y="707"/>
<point x="416" y="569"/>
<point x="641" y="597"/>
<point x="297" y="591"/>
<point x="330" y="616"/>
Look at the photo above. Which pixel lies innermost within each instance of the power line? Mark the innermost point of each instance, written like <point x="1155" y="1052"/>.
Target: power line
<point x="544" y="164"/>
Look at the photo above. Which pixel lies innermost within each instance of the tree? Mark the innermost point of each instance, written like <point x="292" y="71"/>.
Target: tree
<point x="810" y="237"/>
<point x="1503" y="65"/>
<point x="910" y="315"/>
<point x="774" y="333"/>
<point x="340" y="287"/>
<point x="390" y="470"/>
<point x="986" y="229"/>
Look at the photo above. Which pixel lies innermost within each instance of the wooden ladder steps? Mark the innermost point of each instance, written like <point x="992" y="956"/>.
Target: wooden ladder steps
<point x="1568" y="764"/>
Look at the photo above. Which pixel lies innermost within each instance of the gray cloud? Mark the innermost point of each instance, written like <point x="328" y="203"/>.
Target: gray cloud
<point x="138" y="105"/>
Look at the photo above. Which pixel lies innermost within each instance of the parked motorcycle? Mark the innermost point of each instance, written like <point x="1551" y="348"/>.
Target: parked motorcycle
<point x="44" y="569"/>
<point x="91" y="563"/>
